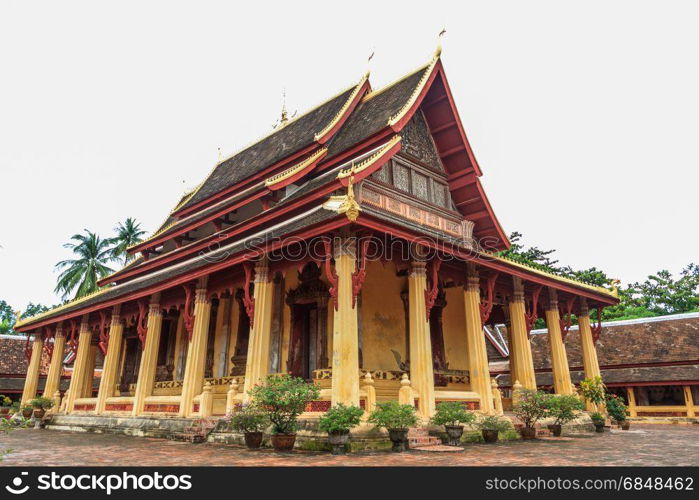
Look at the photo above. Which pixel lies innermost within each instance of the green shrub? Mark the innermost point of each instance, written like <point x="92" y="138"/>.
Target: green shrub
<point x="283" y="398"/>
<point x="452" y="413"/>
<point x="563" y="407"/>
<point x="494" y="423"/>
<point x="41" y="403"/>
<point x="5" y="402"/>
<point x="592" y="389"/>
<point x="616" y="408"/>
<point x="597" y="418"/>
<point x="530" y="406"/>
<point x="340" y="418"/>
<point x="248" y="418"/>
<point x="391" y="415"/>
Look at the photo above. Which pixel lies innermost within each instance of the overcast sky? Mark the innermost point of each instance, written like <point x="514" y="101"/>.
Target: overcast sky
<point x="583" y="115"/>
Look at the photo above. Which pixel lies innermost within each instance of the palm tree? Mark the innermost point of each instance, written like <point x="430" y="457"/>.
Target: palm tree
<point x="84" y="272"/>
<point x="129" y="233"/>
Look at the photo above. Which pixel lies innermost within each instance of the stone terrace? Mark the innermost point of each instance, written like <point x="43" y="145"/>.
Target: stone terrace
<point x="647" y="445"/>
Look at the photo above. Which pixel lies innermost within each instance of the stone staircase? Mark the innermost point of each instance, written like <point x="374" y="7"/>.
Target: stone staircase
<point x="419" y="439"/>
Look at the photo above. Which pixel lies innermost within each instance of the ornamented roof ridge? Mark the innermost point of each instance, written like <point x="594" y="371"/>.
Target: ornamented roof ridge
<point x="338" y="116"/>
<point x="392" y="84"/>
<point x="612" y="293"/>
<point x="367" y="162"/>
<point x="289" y="172"/>
<point x="416" y="92"/>
<point x="61" y="307"/>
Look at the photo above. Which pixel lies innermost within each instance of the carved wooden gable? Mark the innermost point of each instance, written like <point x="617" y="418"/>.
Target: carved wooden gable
<point x="417" y="142"/>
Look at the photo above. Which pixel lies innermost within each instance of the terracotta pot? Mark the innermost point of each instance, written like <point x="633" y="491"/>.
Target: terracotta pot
<point x="399" y="438"/>
<point x="599" y="427"/>
<point x="283" y="442"/>
<point x="454" y="432"/>
<point x="39" y="413"/>
<point x="253" y="440"/>
<point x="555" y="429"/>
<point x="27" y="413"/>
<point x="625" y="425"/>
<point x="528" y="432"/>
<point x="338" y="440"/>
<point x="489" y="435"/>
<point x="4" y="411"/>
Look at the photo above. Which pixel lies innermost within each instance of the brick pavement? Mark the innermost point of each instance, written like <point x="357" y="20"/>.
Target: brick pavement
<point x="644" y="445"/>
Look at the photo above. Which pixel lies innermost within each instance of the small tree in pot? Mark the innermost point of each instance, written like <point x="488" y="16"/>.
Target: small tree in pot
<point x="337" y="422"/>
<point x="40" y="405"/>
<point x="491" y="426"/>
<point x="396" y="419"/>
<point x="5" y="404"/>
<point x="283" y="398"/>
<point x="252" y="422"/>
<point x="452" y="415"/>
<point x="598" y="420"/>
<point x="562" y="408"/>
<point x="617" y="411"/>
<point x="529" y="408"/>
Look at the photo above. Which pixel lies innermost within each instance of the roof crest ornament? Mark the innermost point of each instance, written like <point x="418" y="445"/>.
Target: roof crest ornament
<point x="341" y="112"/>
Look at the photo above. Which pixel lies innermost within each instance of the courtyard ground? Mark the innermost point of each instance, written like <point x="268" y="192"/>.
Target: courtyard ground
<point x="644" y="445"/>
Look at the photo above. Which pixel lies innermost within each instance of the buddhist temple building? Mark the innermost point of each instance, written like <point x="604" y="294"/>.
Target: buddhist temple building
<point x="353" y="246"/>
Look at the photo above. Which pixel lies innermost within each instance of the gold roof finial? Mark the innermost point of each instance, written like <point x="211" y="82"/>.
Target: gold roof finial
<point x="368" y="62"/>
<point x="285" y="118"/>
<point x="349" y="206"/>
<point x="439" y="43"/>
<point x="219" y="155"/>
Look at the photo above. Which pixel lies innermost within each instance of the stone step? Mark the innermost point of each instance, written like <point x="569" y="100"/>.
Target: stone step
<point x="418" y="432"/>
<point x="438" y="448"/>
<point x="414" y="442"/>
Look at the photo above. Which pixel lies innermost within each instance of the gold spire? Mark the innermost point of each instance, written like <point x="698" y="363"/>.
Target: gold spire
<point x="285" y="118"/>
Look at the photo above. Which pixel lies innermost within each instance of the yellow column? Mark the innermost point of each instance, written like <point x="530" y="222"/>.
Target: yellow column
<point x="89" y="371"/>
<point x="589" y="353"/>
<point x="149" y="355"/>
<point x="345" y="363"/>
<point x="421" y="364"/>
<point x="111" y="361"/>
<point x="520" y="348"/>
<point x="193" y="381"/>
<point x="77" y="378"/>
<point x="53" y="378"/>
<point x="32" y="381"/>
<point x="689" y="401"/>
<point x="559" y="359"/>
<point x="479" y="372"/>
<point x="632" y="401"/>
<point x="258" y="344"/>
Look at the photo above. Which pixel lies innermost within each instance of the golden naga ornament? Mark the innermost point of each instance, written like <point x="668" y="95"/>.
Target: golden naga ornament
<point x="349" y="206"/>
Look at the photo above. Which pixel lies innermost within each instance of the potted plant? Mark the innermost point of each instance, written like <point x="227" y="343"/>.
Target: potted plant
<point x="252" y="422"/>
<point x="283" y="398"/>
<point x="452" y="415"/>
<point x="40" y="405"/>
<point x="617" y="411"/>
<point x="27" y="411"/>
<point x="562" y="408"/>
<point x="337" y="422"/>
<point x="5" y="404"/>
<point x="396" y="419"/>
<point x="598" y="420"/>
<point x="491" y="426"/>
<point x="530" y="407"/>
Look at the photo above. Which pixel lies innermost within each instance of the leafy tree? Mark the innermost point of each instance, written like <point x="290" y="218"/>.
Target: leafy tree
<point x="128" y="233"/>
<point x="82" y="274"/>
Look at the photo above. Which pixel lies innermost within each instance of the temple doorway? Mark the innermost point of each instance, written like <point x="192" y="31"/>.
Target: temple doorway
<point x="132" y="359"/>
<point x="309" y="312"/>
